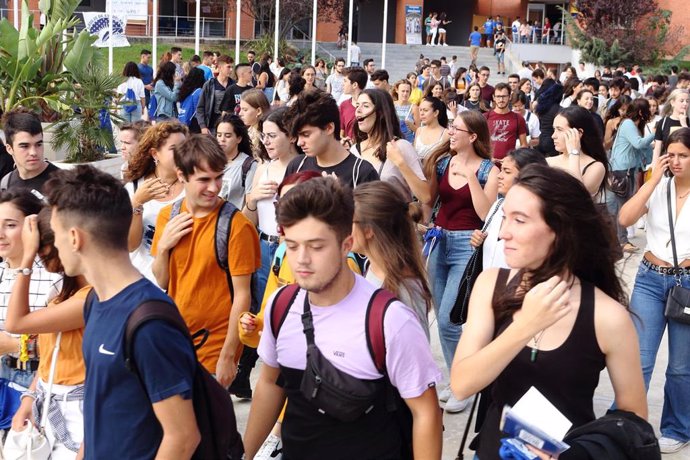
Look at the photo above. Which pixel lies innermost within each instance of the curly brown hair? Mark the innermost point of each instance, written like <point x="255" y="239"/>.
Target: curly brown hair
<point x="141" y="162"/>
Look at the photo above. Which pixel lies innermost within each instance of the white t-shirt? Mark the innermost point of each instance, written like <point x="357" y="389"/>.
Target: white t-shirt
<point x="141" y="257"/>
<point x="135" y="84"/>
<point x="533" y="128"/>
<point x="232" y="190"/>
<point x="355" y="53"/>
<point x="658" y="231"/>
<point x="337" y="81"/>
<point x="492" y="250"/>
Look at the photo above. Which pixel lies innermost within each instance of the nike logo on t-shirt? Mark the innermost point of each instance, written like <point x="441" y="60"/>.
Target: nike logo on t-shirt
<point x="102" y="350"/>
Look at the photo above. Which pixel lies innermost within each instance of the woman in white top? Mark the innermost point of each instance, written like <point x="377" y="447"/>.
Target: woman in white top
<point x="132" y="109"/>
<point x="655" y="278"/>
<point x="379" y="141"/>
<point x="433" y="132"/>
<point x="152" y="184"/>
<point x="283" y="87"/>
<point x="280" y="148"/>
<point x="15" y="206"/>
<point x="492" y="252"/>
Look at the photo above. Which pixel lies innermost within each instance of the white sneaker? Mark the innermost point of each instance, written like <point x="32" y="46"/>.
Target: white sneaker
<point x="668" y="445"/>
<point x="445" y="395"/>
<point x="445" y="44"/>
<point x="453" y="406"/>
<point x="271" y="449"/>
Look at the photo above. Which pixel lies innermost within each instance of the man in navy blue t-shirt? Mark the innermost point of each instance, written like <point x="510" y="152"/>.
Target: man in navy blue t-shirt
<point x="125" y="415"/>
<point x="146" y="72"/>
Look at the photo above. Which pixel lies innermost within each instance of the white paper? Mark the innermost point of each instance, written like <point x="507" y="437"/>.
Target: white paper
<point x="536" y="410"/>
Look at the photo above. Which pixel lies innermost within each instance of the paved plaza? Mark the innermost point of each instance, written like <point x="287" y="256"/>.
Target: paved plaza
<point x="454" y="424"/>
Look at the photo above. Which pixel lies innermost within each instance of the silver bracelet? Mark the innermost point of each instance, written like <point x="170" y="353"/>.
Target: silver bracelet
<point x="29" y="394"/>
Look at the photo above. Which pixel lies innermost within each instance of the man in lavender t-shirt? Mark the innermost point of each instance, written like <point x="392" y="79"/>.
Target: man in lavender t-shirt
<point x="316" y="218"/>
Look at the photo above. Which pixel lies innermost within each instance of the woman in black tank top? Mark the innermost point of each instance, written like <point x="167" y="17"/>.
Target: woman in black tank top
<point x="557" y="319"/>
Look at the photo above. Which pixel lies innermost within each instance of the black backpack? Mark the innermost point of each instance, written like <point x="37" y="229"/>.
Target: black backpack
<point x="215" y="415"/>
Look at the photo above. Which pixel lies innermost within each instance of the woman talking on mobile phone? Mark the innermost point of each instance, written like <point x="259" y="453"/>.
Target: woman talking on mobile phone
<point x="670" y="181"/>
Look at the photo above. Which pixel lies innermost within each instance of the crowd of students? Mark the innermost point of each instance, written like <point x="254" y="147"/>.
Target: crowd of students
<point x="271" y="219"/>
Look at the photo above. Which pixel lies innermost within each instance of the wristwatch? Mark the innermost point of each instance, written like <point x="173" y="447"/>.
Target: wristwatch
<point x="574" y="152"/>
<point x="23" y="271"/>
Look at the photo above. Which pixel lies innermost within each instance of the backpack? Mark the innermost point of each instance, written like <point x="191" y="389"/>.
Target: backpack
<point x="246" y="166"/>
<point x="129" y="102"/>
<point x="221" y="236"/>
<point x="188" y="108"/>
<point x="153" y="106"/>
<point x="376" y="344"/>
<point x="215" y="415"/>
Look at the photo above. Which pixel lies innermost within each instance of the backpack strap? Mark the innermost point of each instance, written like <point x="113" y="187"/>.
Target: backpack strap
<point x="484" y="171"/>
<point x="376" y="340"/>
<point x="222" y="235"/>
<point x="301" y="163"/>
<point x="441" y="167"/>
<point x="90" y="297"/>
<point x="355" y="171"/>
<point x="147" y="311"/>
<point x="281" y="305"/>
<point x="176" y="208"/>
<point x="246" y="166"/>
<point x="278" y="259"/>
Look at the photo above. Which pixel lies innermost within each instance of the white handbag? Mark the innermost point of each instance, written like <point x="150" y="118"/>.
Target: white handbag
<point x="31" y="443"/>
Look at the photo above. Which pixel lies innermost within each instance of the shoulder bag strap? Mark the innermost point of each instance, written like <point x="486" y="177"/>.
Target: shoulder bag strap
<point x="281" y="305"/>
<point x="376" y="340"/>
<point x="466" y="433"/>
<point x="51" y="377"/>
<point x="488" y="221"/>
<point x="670" y="225"/>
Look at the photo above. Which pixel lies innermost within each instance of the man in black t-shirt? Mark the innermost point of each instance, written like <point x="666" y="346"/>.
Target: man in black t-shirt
<point x="316" y="126"/>
<point x="24" y="137"/>
<point x="231" y="100"/>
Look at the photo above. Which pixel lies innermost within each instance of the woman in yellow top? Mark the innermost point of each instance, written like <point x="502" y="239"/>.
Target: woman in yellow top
<point x="417" y="94"/>
<point x="64" y="313"/>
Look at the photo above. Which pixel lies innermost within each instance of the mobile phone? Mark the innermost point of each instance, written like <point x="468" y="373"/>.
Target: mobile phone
<point x="668" y="173"/>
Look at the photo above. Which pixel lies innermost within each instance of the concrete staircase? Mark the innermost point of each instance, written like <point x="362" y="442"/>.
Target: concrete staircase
<point x="401" y="59"/>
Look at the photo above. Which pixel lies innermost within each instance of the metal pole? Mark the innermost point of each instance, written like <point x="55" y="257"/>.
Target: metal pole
<point x="15" y="14"/>
<point x="154" y="64"/>
<point x="277" y="33"/>
<point x="110" y="36"/>
<point x="313" y="34"/>
<point x="385" y="34"/>
<point x="238" y="13"/>
<point x="197" y="27"/>
<point x="349" y="33"/>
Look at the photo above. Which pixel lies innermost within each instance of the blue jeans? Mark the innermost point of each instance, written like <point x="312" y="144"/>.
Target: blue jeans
<point x="447" y="263"/>
<point x="268" y="251"/>
<point x="647" y="302"/>
<point x="18" y="376"/>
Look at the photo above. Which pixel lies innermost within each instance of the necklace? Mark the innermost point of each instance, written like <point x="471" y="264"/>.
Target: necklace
<point x="170" y="185"/>
<point x="536" y="339"/>
<point x="680" y="197"/>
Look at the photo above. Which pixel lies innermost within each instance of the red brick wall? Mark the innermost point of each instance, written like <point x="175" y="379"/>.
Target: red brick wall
<point x="680" y="17"/>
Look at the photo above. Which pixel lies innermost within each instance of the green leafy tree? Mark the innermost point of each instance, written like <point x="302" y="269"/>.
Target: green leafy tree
<point x="615" y="32"/>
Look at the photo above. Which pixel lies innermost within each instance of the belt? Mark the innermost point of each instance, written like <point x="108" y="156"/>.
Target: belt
<point x="671" y="271"/>
<point x="275" y="239"/>
<point x="14" y="363"/>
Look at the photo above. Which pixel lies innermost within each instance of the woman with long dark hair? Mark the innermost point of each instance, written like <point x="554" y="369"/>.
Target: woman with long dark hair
<point x="379" y="141"/>
<point x="266" y="81"/>
<point x="463" y="178"/>
<point x="655" y="278"/>
<point x="547" y="108"/>
<point x="189" y="94"/>
<point x="614" y="115"/>
<point x="132" y="109"/>
<point x="384" y="231"/>
<point x="585" y="99"/>
<point x="165" y="90"/>
<point x="473" y="98"/>
<point x="433" y="132"/>
<point x="628" y="154"/>
<point x="557" y="318"/>
<point x="581" y="148"/>
<point x="511" y="165"/>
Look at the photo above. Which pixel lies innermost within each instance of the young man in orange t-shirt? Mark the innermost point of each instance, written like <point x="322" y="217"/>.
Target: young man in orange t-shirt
<point x="185" y="260"/>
